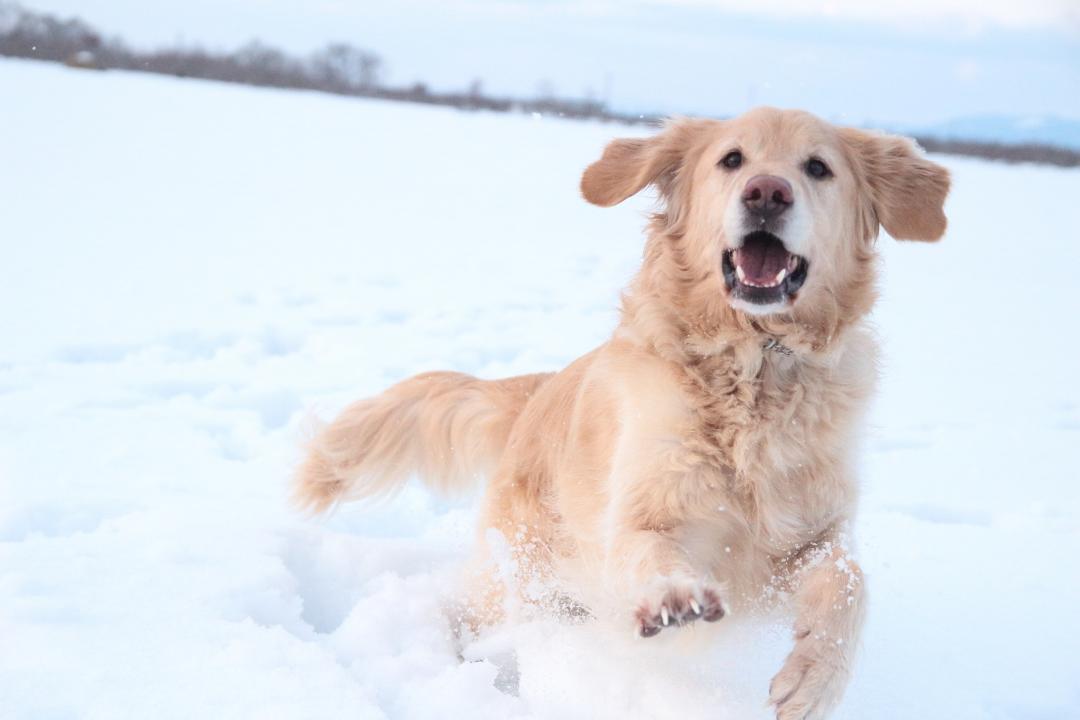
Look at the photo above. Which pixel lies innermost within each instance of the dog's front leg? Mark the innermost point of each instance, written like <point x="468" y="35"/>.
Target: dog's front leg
<point x="829" y="598"/>
<point x="660" y="582"/>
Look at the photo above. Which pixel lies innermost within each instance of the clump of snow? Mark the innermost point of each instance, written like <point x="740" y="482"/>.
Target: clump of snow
<point x="191" y="269"/>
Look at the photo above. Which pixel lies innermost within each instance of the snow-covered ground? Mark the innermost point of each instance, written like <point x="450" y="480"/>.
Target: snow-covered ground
<point x="189" y="269"/>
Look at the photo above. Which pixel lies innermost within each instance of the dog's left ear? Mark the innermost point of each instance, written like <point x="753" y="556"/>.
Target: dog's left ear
<point x="907" y="190"/>
<point x="629" y="164"/>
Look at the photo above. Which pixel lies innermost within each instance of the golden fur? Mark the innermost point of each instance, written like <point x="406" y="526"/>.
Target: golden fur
<point x="681" y="470"/>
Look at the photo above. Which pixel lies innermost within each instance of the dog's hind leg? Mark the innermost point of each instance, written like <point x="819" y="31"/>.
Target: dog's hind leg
<point x="511" y="570"/>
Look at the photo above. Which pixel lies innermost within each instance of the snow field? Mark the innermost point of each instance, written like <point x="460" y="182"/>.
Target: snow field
<point x="191" y="270"/>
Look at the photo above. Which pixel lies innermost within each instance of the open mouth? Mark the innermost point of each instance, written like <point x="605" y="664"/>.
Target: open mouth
<point x="762" y="271"/>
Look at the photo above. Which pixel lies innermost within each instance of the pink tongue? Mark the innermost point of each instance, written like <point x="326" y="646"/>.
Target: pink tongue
<point x="761" y="261"/>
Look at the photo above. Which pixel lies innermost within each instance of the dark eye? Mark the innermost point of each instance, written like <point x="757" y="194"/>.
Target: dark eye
<point x="732" y="160"/>
<point x="817" y="169"/>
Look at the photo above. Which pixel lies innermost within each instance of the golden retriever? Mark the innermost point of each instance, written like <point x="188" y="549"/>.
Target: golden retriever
<point x="700" y="461"/>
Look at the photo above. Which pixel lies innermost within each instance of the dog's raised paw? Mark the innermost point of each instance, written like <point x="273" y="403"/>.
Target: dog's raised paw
<point x="674" y="603"/>
<point x="810" y="682"/>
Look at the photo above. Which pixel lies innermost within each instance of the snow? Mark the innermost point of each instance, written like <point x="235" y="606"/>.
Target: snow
<point x="191" y="270"/>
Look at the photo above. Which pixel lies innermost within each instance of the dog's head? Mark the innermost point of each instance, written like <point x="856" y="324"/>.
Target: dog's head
<point x="777" y="210"/>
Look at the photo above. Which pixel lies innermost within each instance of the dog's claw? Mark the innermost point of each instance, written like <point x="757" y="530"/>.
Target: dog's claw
<point x="679" y="605"/>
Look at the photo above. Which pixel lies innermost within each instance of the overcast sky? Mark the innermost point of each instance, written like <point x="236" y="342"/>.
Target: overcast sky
<point x="897" y="64"/>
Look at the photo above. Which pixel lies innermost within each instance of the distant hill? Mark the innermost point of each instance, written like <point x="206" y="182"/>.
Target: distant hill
<point x="1042" y="130"/>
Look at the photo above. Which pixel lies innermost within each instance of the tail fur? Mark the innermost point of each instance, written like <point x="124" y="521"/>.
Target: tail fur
<point x="449" y="428"/>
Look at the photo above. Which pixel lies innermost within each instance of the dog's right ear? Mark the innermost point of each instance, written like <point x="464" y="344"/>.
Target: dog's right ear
<point x="629" y="164"/>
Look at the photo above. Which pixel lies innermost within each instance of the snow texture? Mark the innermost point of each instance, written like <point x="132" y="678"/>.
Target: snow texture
<point x="191" y="270"/>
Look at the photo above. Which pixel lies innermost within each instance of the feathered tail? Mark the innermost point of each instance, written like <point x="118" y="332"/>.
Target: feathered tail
<point x="449" y="428"/>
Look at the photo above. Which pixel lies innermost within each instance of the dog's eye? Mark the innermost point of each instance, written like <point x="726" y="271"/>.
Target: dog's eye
<point x="732" y="160"/>
<point x="817" y="169"/>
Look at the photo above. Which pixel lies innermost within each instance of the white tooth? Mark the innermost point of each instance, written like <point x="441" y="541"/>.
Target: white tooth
<point x="695" y="607"/>
<point x="664" y="614"/>
<point x="740" y="274"/>
<point x="781" y="275"/>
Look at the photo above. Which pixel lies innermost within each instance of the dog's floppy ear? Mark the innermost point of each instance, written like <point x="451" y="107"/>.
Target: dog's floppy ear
<point x="629" y="164"/>
<point x="906" y="190"/>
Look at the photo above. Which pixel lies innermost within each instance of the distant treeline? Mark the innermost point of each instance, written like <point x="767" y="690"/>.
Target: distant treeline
<point x="343" y="69"/>
<point x="339" y="68"/>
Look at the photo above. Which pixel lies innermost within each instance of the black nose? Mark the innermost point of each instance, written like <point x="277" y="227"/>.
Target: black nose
<point x="768" y="195"/>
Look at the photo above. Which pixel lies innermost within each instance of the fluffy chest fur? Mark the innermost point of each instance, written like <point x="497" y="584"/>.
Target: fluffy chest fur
<point x="773" y="433"/>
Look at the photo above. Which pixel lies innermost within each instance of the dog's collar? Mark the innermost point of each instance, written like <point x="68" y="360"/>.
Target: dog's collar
<point x="777" y="346"/>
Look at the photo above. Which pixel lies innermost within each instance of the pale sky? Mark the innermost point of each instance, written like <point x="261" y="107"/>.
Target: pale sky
<point x="887" y="63"/>
<point x="969" y="13"/>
